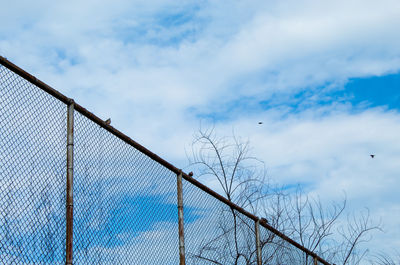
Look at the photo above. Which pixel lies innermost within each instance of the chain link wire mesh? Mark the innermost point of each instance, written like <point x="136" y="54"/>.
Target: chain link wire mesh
<point x="275" y="250"/>
<point x="125" y="203"/>
<point x="214" y="232"/>
<point x="32" y="173"/>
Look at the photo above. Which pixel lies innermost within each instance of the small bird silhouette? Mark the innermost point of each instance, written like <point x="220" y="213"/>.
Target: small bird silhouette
<point x="108" y="122"/>
<point x="264" y="220"/>
<point x="372" y="156"/>
<point x="190" y="174"/>
<point x="260" y="122"/>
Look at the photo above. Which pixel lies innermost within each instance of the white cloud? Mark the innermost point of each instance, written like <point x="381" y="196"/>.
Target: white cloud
<point x="330" y="155"/>
<point x="121" y="60"/>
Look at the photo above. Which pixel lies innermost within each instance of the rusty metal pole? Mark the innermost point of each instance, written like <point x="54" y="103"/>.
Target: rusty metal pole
<point x="180" y="220"/>
<point x="258" y="245"/>
<point x="69" y="191"/>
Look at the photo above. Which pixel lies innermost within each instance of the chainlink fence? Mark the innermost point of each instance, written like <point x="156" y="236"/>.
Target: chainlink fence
<point x="124" y="198"/>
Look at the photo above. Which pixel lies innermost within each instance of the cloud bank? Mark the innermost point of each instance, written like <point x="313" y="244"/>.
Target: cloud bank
<point x="158" y="69"/>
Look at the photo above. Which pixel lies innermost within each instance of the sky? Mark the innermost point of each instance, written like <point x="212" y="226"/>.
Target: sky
<point x="322" y="76"/>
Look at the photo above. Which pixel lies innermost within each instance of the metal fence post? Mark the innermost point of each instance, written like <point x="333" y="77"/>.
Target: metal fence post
<point x="258" y="245"/>
<point x="69" y="189"/>
<point x="180" y="220"/>
<point x="315" y="261"/>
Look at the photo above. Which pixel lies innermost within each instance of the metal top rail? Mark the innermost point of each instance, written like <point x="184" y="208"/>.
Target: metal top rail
<point x="14" y="68"/>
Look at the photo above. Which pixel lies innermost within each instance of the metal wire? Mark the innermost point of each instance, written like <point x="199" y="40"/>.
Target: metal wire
<point x="214" y="232"/>
<point x="275" y="250"/>
<point x="32" y="173"/>
<point x="125" y="203"/>
<point x="125" y="207"/>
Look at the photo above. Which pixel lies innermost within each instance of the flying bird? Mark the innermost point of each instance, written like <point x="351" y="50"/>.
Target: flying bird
<point x="108" y="122"/>
<point x="372" y="156"/>
<point x="260" y="122"/>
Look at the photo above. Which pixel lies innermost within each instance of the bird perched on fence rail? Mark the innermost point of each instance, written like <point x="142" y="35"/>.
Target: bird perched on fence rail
<point x="108" y="121"/>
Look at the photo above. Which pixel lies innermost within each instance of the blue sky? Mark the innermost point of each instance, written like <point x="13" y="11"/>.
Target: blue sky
<point x="375" y="91"/>
<point x="323" y="77"/>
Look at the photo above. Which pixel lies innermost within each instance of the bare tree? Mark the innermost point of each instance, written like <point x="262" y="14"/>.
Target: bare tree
<point x="385" y="259"/>
<point x="323" y="230"/>
<point x="243" y="180"/>
<point x="356" y="232"/>
<point x="241" y="176"/>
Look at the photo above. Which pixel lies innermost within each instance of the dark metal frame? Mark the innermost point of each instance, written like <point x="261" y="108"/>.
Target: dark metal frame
<point x="69" y="187"/>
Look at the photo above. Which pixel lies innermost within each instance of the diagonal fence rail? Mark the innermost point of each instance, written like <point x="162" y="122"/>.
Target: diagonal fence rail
<point x="75" y="190"/>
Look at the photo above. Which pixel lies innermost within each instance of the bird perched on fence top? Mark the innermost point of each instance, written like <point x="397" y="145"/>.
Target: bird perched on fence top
<point x="264" y="220"/>
<point x="108" y="121"/>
